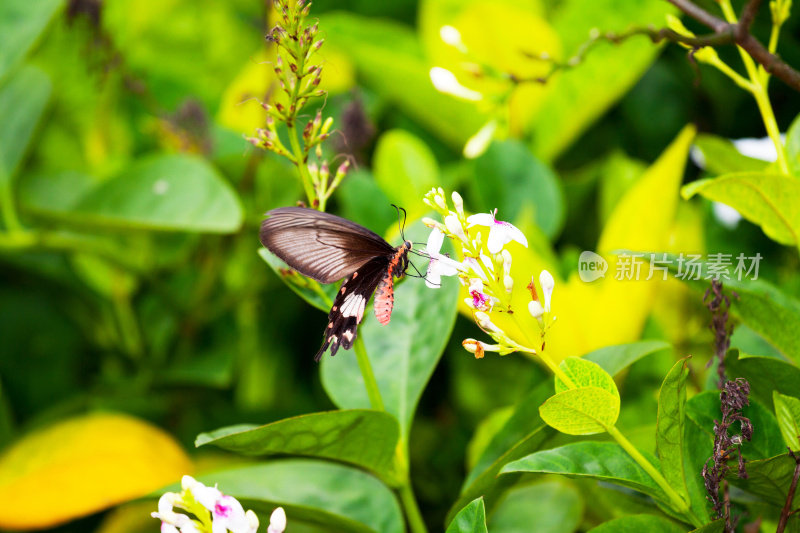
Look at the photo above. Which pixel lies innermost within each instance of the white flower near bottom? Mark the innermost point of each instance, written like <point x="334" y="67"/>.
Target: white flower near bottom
<point x="215" y="512"/>
<point x="500" y="233"/>
<point x="440" y="264"/>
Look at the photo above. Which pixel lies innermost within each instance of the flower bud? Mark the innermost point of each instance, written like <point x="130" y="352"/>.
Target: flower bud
<point x="454" y="226"/>
<point x="486" y="323"/>
<point x="458" y="203"/>
<point x="474" y="346"/>
<point x="547" y="283"/>
<point x="535" y="309"/>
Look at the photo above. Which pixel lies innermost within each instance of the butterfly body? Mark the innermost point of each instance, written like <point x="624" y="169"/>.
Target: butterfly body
<point x="327" y="248"/>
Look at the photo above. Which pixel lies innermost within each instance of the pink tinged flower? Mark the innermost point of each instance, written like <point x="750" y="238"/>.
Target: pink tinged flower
<point x="547" y="283"/>
<point x="478" y="299"/>
<point x="500" y="233"/>
<point x="228" y="515"/>
<point x="440" y="265"/>
<point x="446" y="82"/>
<point x="277" y="521"/>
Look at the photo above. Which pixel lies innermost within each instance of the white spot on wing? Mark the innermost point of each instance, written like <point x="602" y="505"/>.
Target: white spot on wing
<point x="354" y="306"/>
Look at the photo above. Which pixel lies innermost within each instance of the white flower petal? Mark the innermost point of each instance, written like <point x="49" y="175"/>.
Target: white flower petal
<point x="726" y="215"/>
<point x="763" y="148"/>
<point x="453" y="225"/>
<point x="548" y="283"/>
<point x="435" y="240"/>
<point x="481" y="219"/>
<point x="535" y="309"/>
<point x="433" y="279"/>
<point x="452" y="37"/>
<point x="277" y="521"/>
<point x="496" y="241"/>
<point x="480" y="140"/>
<point x="446" y="82"/>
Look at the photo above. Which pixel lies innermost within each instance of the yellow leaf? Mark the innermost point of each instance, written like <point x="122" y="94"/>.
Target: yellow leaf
<point x="83" y="465"/>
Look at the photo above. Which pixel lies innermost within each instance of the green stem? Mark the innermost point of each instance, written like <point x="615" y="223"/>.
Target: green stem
<point x="409" y="503"/>
<point x="370" y="383"/>
<point x="678" y="503"/>
<point x="768" y="116"/>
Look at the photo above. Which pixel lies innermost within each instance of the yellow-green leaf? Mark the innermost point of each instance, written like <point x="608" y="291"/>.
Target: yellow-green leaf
<point x="585" y="373"/>
<point x="787" y="411"/>
<point x="83" y="465"/>
<point x="583" y="411"/>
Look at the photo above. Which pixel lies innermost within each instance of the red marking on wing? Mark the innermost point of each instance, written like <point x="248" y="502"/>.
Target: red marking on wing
<point x="384" y="299"/>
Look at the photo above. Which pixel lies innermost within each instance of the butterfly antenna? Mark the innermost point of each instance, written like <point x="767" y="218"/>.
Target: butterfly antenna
<point x="402" y="224"/>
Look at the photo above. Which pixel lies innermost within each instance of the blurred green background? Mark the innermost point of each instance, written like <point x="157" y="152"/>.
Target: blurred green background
<point x="164" y="310"/>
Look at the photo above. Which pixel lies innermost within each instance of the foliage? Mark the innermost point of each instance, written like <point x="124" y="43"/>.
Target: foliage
<point x="536" y="376"/>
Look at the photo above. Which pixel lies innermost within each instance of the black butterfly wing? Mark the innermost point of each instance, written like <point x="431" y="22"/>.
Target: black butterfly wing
<point x="348" y="307"/>
<point x="320" y="245"/>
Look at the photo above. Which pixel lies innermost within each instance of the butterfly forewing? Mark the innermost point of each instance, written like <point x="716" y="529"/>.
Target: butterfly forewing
<point x="320" y="245"/>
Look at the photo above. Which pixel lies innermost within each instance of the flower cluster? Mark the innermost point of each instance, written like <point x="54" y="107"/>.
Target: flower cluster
<point x="299" y="77"/>
<point x="213" y="511"/>
<point x="485" y="270"/>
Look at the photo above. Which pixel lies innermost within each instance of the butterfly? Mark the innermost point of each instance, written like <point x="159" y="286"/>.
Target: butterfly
<point x="328" y="248"/>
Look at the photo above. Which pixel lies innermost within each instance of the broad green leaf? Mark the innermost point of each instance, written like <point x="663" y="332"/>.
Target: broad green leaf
<point x="403" y="353"/>
<point x="49" y="193"/>
<point x="21" y="25"/>
<point x="163" y="192"/>
<point x="523" y="434"/>
<point x="333" y="496"/>
<point x="787" y="411"/>
<point x="554" y="506"/>
<point x="314" y="293"/>
<point x="360" y="437"/>
<point x="470" y="519"/>
<point x="23" y="99"/>
<point x="361" y="200"/>
<point x="511" y="179"/>
<point x="765" y="375"/>
<point x="585" y="373"/>
<point x="717" y="526"/>
<point x="721" y="156"/>
<point x="82" y="465"/>
<point x="793" y="146"/>
<point x="581" y="95"/>
<point x="405" y="169"/>
<point x="615" y="359"/>
<point x="670" y="426"/>
<point x="770" y="478"/>
<point x="388" y="58"/>
<point x="639" y="523"/>
<point x="603" y="461"/>
<point x="704" y="409"/>
<point x="768" y="200"/>
<point x="698" y="446"/>
<point x="583" y="411"/>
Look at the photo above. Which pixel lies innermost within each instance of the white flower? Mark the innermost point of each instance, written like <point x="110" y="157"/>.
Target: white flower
<point x="440" y="264"/>
<point x="548" y="283"/>
<point x="277" y="521"/>
<point x="478" y="299"/>
<point x="475" y="266"/>
<point x="535" y="309"/>
<point x="500" y="233"/>
<point x="763" y="148"/>
<point x="480" y="141"/>
<point x="453" y="225"/>
<point x="726" y="215"/>
<point x="228" y="515"/>
<point x="452" y="37"/>
<point x="447" y="83"/>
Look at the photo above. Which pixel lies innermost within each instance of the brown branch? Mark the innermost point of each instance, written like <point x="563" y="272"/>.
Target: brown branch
<point x="787" y="507"/>
<point x="742" y="37"/>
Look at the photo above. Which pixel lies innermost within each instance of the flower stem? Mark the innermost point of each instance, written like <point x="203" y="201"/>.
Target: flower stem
<point x="409" y="503"/>
<point x="300" y="161"/>
<point x="370" y="383"/>
<point x="678" y="503"/>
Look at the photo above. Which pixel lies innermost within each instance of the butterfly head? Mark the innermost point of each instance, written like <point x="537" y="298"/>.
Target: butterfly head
<point x="407" y="244"/>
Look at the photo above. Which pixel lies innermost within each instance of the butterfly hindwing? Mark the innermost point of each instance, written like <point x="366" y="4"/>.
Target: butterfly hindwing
<point x="348" y="306"/>
<point x="320" y="245"/>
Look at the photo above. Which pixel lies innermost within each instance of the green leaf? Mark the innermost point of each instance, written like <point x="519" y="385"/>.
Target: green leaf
<point x="704" y="409"/>
<point x="583" y="411"/>
<point x="722" y="157"/>
<point x="770" y="478"/>
<point x="470" y="519"/>
<point x="615" y="359"/>
<point x="670" y="426"/>
<point x="23" y="99"/>
<point x="163" y="192"/>
<point x="585" y="373"/>
<point x="717" y="526"/>
<point x="314" y="293"/>
<point x="339" y="498"/>
<point x="603" y="461"/>
<point x="511" y="179"/>
<point x="405" y="169"/>
<point x="698" y="446"/>
<point x="581" y="95"/>
<point x="555" y="506"/>
<point x="765" y="375"/>
<point x="389" y="59"/>
<point x="787" y="411"/>
<point x="638" y="523"/>
<point x="21" y="25"/>
<point x="360" y="437"/>
<point x="793" y="146"/>
<point x="403" y="353"/>
<point x="768" y="200"/>
<point x="522" y="435"/>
